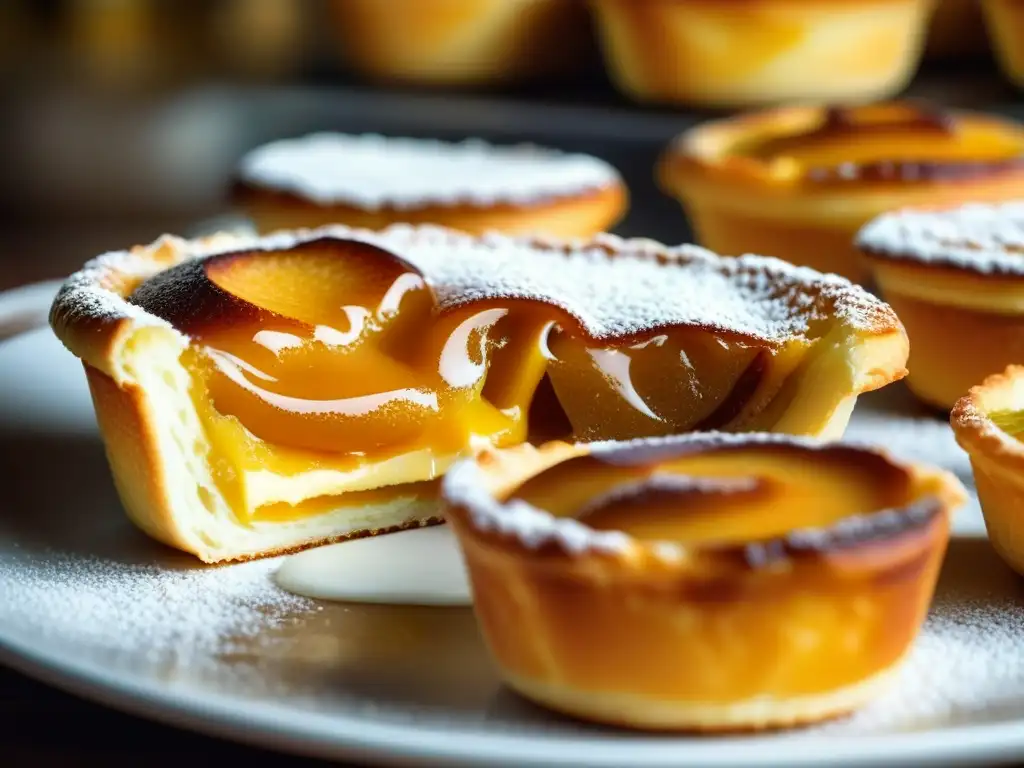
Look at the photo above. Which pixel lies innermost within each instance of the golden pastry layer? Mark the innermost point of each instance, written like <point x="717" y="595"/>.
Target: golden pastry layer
<point x="798" y="182"/>
<point x="989" y="423"/>
<point x="371" y="182"/>
<point x="463" y="42"/>
<point x="263" y="394"/>
<point x="749" y="52"/>
<point x="956" y="279"/>
<point x="703" y="582"/>
<point x="1005" y="22"/>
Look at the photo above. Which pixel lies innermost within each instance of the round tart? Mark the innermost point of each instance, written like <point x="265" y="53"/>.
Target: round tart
<point x="463" y="42"/>
<point x="370" y="182"/>
<point x="797" y="183"/>
<point x="1005" y="22"/>
<point x="264" y="394"/>
<point x="729" y="54"/>
<point x="956" y="278"/>
<point x="702" y="583"/>
<point x="989" y="424"/>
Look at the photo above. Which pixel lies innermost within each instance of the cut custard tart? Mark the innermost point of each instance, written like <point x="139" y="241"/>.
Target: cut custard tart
<point x="259" y="395"/>
<point x="371" y="181"/>
<point x="701" y="582"/>
<point x="988" y="423"/>
<point x="759" y="52"/>
<point x="799" y="182"/>
<point x="955" y="276"/>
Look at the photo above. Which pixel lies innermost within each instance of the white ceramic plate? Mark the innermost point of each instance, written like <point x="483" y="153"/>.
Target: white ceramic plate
<point x="90" y="605"/>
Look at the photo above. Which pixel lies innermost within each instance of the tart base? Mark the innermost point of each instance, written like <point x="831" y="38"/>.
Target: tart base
<point x="954" y="348"/>
<point x="644" y="713"/>
<point x="578" y="216"/>
<point x="761" y="51"/>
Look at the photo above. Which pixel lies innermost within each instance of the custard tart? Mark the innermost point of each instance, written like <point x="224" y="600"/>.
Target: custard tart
<point x="758" y="52"/>
<point x="956" y="278"/>
<point x="988" y="423"/>
<point x="703" y="582"/>
<point x="259" y="395"/>
<point x="371" y="181"/>
<point x="799" y="182"/>
<point x="463" y="42"/>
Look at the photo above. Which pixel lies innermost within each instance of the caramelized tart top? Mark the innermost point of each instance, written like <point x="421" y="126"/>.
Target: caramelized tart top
<point x="373" y="172"/>
<point x="894" y="142"/>
<point x="986" y="238"/>
<point x="340" y="340"/>
<point x="735" y="501"/>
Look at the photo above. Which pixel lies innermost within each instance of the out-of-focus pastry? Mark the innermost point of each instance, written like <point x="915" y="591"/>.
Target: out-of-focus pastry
<point x="798" y="182"/>
<point x="463" y="42"/>
<point x="702" y="583"/>
<point x="989" y="424"/>
<point x="957" y="30"/>
<point x="370" y="181"/>
<point x="1005" y="22"/>
<point x="956" y="279"/>
<point x="757" y="52"/>
<point x="259" y="395"/>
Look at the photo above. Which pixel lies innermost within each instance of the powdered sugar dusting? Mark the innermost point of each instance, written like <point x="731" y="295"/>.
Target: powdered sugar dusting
<point x="980" y="237"/>
<point x="185" y="614"/>
<point x="373" y="172"/>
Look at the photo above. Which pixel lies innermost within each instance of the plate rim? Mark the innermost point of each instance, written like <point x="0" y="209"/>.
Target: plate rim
<point x="281" y="728"/>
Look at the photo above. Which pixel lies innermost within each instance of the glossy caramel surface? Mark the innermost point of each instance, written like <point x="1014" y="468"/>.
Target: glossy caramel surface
<point x="720" y="496"/>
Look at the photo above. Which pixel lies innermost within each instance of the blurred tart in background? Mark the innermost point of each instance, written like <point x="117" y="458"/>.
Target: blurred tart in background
<point x="956" y="278"/>
<point x="957" y="30"/>
<point x="759" y="52"/>
<point x="464" y="42"/>
<point x="1005" y="21"/>
<point x="370" y="182"/>
<point x="703" y="582"/>
<point x="799" y="182"/>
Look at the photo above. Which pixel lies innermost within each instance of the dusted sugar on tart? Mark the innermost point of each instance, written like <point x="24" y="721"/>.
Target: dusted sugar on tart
<point x="373" y="181"/>
<point x="989" y="425"/>
<point x="760" y="52"/>
<point x="264" y="394"/>
<point x="798" y="183"/>
<point x="956" y="278"/>
<point x="704" y="582"/>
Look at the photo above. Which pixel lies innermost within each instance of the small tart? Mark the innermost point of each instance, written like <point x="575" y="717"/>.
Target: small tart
<point x="760" y="52"/>
<point x="371" y="181"/>
<point x="956" y="278"/>
<point x="703" y="582"/>
<point x="798" y="182"/>
<point x="264" y="394"/>
<point x="1005" y="22"/>
<point x="463" y="42"/>
<point x="989" y="423"/>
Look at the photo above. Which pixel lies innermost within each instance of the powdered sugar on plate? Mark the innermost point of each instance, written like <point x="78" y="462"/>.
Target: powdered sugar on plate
<point x="373" y="172"/>
<point x="979" y="237"/>
<point x="165" y="612"/>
